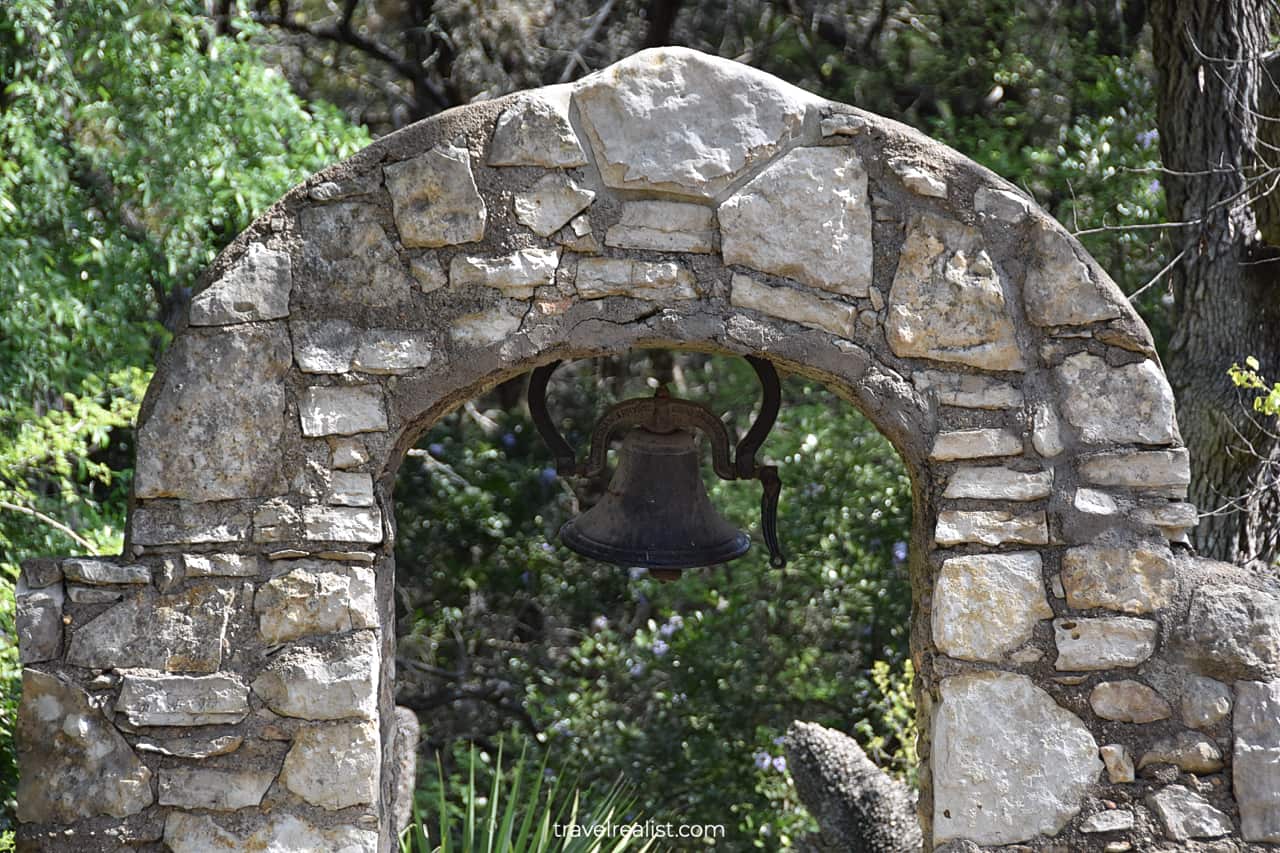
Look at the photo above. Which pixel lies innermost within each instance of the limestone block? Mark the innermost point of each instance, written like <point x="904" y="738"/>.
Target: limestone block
<point x="1185" y="814"/>
<point x="38" y="619"/>
<point x="1234" y="631"/>
<point x="277" y="520"/>
<point x="88" y="571"/>
<point x="188" y="524"/>
<point x="663" y="226"/>
<point x="515" y="275"/>
<point x="1137" y="579"/>
<point x="1009" y="763"/>
<point x="153" y="699"/>
<point x="73" y="764"/>
<point x="1188" y="751"/>
<point x="681" y="122"/>
<point x="343" y="524"/>
<point x="967" y="390"/>
<point x="1003" y="205"/>
<point x="1092" y="644"/>
<point x="218" y="418"/>
<point x="345" y="410"/>
<point x="278" y="833"/>
<point x="182" y="632"/>
<point x="94" y="594"/>
<point x="1094" y="502"/>
<point x="975" y="444"/>
<point x="657" y="281"/>
<point x="918" y="179"/>
<point x="1119" y="763"/>
<point x="577" y="236"/>
<point x="550" y="203"/>
<point x="535" y="131"/>
<point x="1204" y="701"/>
<point x="427" y="272"/>
<point x="1173" y="519"/>
<point x="485" y="328"/>
<point x="996" y="527"/>
<point x="1128" y="702"/>
<point x="255" y="288"/>
<point x="191" y="747"/>
<point x="996" y="483"/>
<point x="792" y="304"/>
<point x="843" y="124"/>
<point x="1256" y="767"/>
<point x="348" y="453"/>
<point x="1046" y="432"/>
<point x="351" y="488"/>
<point x="329" y="679"/>
<point x="324" y="346"/>
<point x="313" y="597"/>
<point x="335" y="766"/>
<point x="435" y="199"/>
<point x="347" y="257"/>
<point x="806" y="217"/>
<point x="1059" y="289"/>
<point x="985" y="605"/>
<point x="947" y="302"/>
<point x="1111" y="820"/>
<point x="207" y="788"/>
<point x="1164" y="471"/>
<point x="1119" y="405"/>
<point x="220" y="565"/>
<point x="392" y="351"/>
<point x="40" y="572"/>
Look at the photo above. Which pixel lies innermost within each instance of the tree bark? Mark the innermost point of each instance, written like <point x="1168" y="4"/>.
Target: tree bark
<point x="1226" y="301"/>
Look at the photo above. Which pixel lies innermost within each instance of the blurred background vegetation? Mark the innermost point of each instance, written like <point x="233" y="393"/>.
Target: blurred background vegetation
<point x="137" y="137"/>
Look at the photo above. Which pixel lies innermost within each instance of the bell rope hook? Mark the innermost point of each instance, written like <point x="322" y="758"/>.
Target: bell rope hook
<point x="685" y="530"/>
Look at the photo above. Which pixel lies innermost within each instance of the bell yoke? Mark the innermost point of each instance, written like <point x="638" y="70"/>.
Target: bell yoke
<point x="656" y="512"/>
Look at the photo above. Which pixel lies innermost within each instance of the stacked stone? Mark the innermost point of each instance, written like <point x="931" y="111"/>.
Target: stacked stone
<point x="229" y="680"/>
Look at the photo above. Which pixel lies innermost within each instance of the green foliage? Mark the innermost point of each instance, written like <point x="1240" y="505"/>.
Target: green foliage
<point x="1267" y="399"/>
<point x="526" y="811"/>
<point x="681" y="688"/>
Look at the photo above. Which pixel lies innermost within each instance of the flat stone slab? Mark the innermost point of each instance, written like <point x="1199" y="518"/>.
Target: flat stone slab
<point x="153" y="699"/>
<point x="997" y="483"/>
<point x="515" y="275"/>
<point x="314" y="597"/>
<point x="1256" y="766"/>
<point x="991" y="527"/>
<point x="657" y="281"/>
<point x="255" y="288"/>
<point x="535" y="131"/>
<point x="1186" y="815"/>
<point x="663" y="226"/>
<point x="182" y="632"/>
<point x="335" y="766"/>
<point x="435" y="199"/>
<point x="1009" y="763"/>
<point x="1136" y="579"/>
<point x="208" y="788"/>
<point x="975" y="444"/>
<point x="793" y="304"/>
<point x="276" y="833"/>
<point x="1128" y="701"/>
<point x="1131" y="404"/>
<point x="985" y="605"/>
<point x="550" y="203"/>
<point x="342" y="410"/>
<point x="1106" y="643"/>
<point x="1059" y="289"/>
<point x="331" y="679"/>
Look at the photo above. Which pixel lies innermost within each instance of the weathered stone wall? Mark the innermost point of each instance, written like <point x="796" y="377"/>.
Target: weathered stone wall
<point x="227" y="682"/>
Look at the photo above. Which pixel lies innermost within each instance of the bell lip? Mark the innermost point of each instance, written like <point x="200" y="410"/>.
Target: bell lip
<point x="664" y="558"/>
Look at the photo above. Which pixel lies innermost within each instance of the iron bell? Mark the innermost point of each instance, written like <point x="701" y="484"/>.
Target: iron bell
<point x="656" y="512"/>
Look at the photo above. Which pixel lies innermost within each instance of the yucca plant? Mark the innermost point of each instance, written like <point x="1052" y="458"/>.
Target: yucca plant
<point x="521" y="816"/>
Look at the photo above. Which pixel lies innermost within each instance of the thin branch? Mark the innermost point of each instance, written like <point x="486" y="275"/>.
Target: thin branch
<point x="52" y="522"/>
<point x="1157" y="276"/>
<point x="575" y="58"/>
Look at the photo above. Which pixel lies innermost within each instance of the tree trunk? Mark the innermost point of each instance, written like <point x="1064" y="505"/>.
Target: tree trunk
<point x="1226" y="301"/>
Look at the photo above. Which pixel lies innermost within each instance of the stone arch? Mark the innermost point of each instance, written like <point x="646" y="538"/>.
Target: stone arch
<point x="674" y="199"/>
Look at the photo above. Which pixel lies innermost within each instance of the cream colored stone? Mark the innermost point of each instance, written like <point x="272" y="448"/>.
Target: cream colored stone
<point x="335" y="766"/>
<point x="793" y="304"/>
<point x="1128" y="701"/>
<point x="843" y="124"/>
<point x="485" y="328"/>
<point x="1188" y="751"/>
<point x="1046" y="432"/>
<point x="1186" y="815"/>
<point x="324" y="346"/>
<point x="330" y="679"/>
<point x="276" y="833"/>
<point x="1255" y="771"/>
<point x="1110" y="820"/>
<point x="150" y="699"/>
<point x="1106" y="643"/>
<point x="1173" y="518"/>
<point x="1002" y="204"/>
<point x="985" y="605"/>
<point x="947" y="302"/>
<point x="657" y="281"/>
<point x="1137" y="579"/>
<point x="435" y="199"/>
<point x="920" y="180"/>
<point x="1131" y="404"/>
<point x="182" y="632"/>
<point x="343" y="524"/>
<point x="426" y="270"/>
<point x="975" y="444"/>
<point x="1059" y="289"/>
<point x="967" y="390"/>
<point x="681" y="122"/>
<point x="313" y="598"/>
<point x="348" y="453"/>
<point x="220" y="565"/>
<point x="350" y="488"/>
<point x="209" y="788"/>
<point x="550" y="203"/>
<point x="1009" y="763"/>
<point x="515" y="275"/>
<point x="991" y="527"/>
<point x="345" y="410"/>
<point x="996" y="483"/>
<point x="1163" y="471"/>
<point x="255" y="288"/>
<point x="806" y="217"/>
<point x="1205" y="702"/>
<point x="392" y="351"/>
<point x="1119" y="763"/>
<point x="536" y="132"/>
<point x="1094" y="502"/>
<point x="664" y="226"/>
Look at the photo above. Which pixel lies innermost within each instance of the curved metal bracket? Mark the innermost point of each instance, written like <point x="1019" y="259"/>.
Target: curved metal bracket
<point x="566" y="458"/>
<point x="661" y="414"/>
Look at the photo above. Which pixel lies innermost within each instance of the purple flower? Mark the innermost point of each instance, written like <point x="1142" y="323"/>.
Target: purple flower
<point x="637" y="670"/>
<point x="600" y="622"/>
<point x="547" y="476"/>
<point x="1146" y="137"/>
<point x="1154" y="186"/>
<point x="660" y="648"/>
<point x="899" y="552"/>
<point x="780" y="764"/>
<point x="435" y="448"/>
<point x="675" y="623"/>
<point x="560" y="727"/>
<point x="762" y="760"/>
<point x="508" y="440"/>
